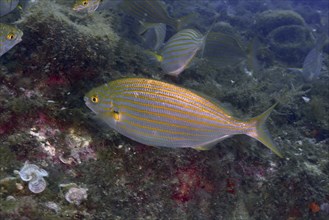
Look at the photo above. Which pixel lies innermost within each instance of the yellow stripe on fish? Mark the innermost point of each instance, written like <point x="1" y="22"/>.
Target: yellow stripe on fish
<point x="160" y="114"/>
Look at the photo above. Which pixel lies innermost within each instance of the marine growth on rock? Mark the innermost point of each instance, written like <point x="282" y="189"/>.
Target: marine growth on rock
<point x="34" y="175"/>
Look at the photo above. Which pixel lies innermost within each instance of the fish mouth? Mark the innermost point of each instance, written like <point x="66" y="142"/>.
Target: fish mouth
<point x="89" y="104"/>
<point x="20" y="36"/>
<point x="19" y="39"/>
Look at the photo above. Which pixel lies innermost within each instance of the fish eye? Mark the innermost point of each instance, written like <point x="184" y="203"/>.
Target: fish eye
<point x="84" y="2"/>
<point x="10" y="36"/>
<point x="94" y="99"/>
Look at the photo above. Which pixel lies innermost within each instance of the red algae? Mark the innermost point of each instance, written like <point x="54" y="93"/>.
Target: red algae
<point x="56" y="80"/>
<point x="190" y="181"/>
<point x="231" y="186"/>
<point x="314" y="207"/>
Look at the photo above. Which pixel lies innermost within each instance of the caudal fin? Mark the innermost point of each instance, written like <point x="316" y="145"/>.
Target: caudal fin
<point x="261" y="133"/>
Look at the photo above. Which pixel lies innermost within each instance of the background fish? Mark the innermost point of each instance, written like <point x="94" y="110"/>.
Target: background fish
<point x="91" y="6"/>
<point x="223" y="50"/>
<point x="313" y="60"/>
<point x="7" y="6"/>
<point x="160" y="114"/>
<point x="9" y="37"/>
<point x="179" y="51"/>
<point x="152" y="11"/>
<point x="86" y="5"/>
<point x="153" y="35"/>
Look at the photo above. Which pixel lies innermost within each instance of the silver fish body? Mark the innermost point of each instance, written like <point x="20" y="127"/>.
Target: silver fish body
<point x="156" y="113"/>
<point x="313" y="61"/>
<point x="179" y="51"/>
<point x="154" y="36"/>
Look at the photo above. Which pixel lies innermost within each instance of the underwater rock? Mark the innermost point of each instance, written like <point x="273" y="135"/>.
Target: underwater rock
<point x="53" y="206"/>
<point x="326" y="47"/>
<point x="76" y="195"/>
<point x="272" y="19"/>
<point x="290" y="42"/>
<point x="65" y="44"/>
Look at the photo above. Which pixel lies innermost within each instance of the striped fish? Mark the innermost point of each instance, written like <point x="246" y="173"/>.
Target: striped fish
<point x="312" y="64"/>
<point x="152" y="11"/>
<point x="179" y="51"/>
<point x="313" y="61"/>
<point x="156" y="113"/>
<point x="86" y="5"/>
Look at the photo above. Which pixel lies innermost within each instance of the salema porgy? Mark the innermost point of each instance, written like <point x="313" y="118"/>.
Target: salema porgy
<point x="156" y="113"/>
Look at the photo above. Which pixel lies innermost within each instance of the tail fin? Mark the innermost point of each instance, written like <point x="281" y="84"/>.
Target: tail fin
<point x="261" y="133"/>
<point x="206" y="35"/>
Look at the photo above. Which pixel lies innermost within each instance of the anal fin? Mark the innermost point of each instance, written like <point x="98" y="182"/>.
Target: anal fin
<point x="210" y="144"/>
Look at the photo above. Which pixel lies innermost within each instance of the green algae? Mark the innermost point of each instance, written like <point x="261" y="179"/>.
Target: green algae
<point x="290" y="43"/>
<point x="7" y="159"/>
<point x="269" y="20"/>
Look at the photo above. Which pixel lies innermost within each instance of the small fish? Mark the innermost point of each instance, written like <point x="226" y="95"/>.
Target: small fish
<point x="152" y="11"/>
<point x="179" y="51"/>
<point x="86" y="5"/>
<point x="7" y="6"/>
<point x="252" y="63"/>
<point x="153" y="35"/>
<point x="313" y="60"/>
<point x="90" y="6"/>
<point x="160" y="114"/>
<point x="9" y="37"/>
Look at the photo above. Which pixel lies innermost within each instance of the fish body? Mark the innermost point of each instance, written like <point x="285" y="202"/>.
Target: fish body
<point x="9" y="37"/>
<point x="179" y="50"/>
<point x="86" y="5"/>
<point x="313" y="61"/>
<point x="7" y="6"/>
<point x="152" y="11"/>
<point x="223" y="50"/>
<point x="153" y="35"/>
<point x="156" y="113"/>
<point x="312" y="64"/>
